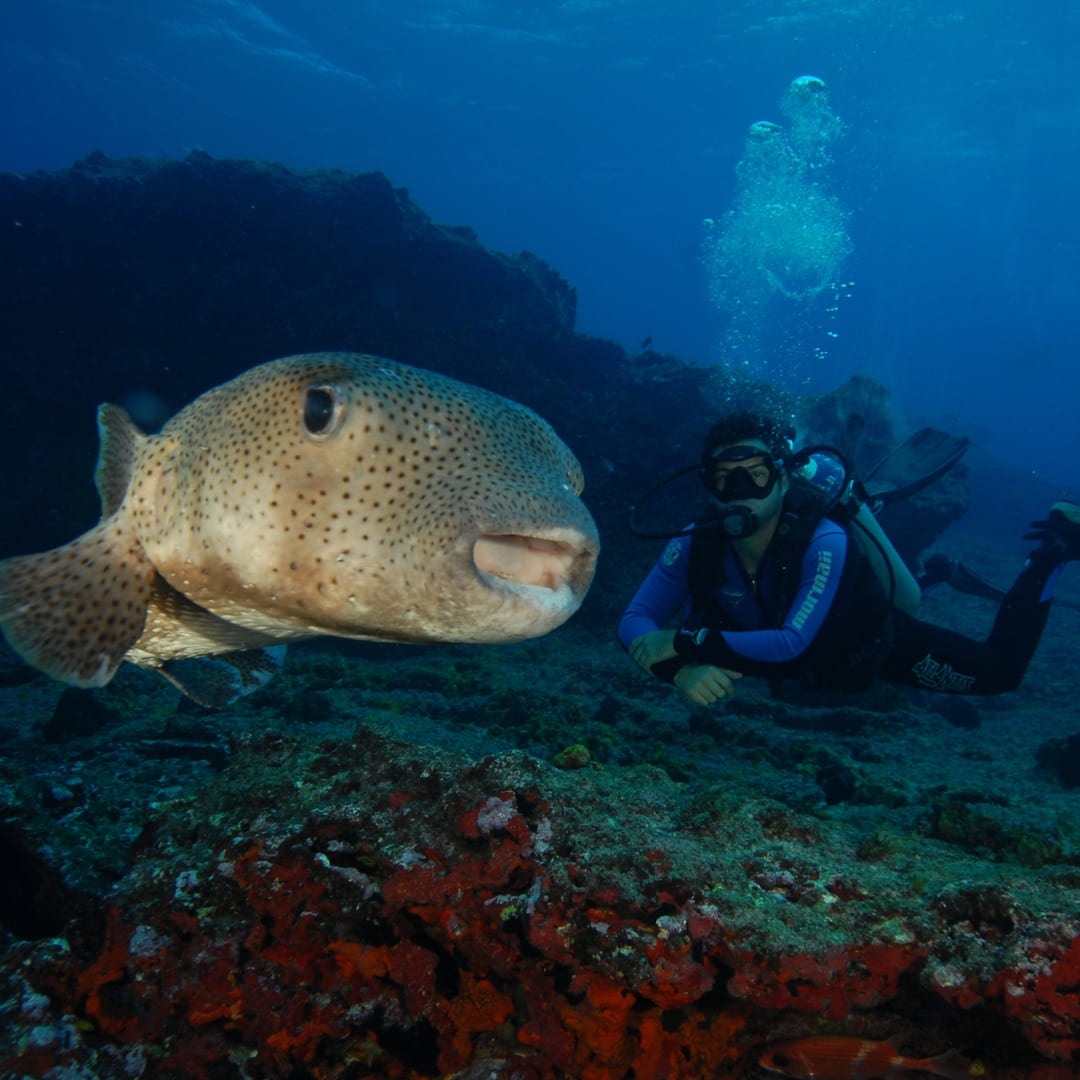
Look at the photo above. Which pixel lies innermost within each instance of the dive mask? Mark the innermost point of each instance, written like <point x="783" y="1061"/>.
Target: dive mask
<point x="751" y="481"/>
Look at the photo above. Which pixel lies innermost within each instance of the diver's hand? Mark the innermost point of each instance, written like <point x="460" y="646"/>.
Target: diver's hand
<point x="652" y="647"/>
<point x="704" y="684"/>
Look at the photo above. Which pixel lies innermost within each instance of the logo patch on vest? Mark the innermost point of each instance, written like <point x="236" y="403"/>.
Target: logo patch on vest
<point x="671" y="553"/>
<point x="731" y="597"/>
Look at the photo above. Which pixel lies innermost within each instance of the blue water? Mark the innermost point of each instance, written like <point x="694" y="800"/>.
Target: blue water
<point x="600" y="134"/>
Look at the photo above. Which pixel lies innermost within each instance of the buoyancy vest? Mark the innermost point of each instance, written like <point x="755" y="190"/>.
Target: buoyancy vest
<point x="847" y="651"/>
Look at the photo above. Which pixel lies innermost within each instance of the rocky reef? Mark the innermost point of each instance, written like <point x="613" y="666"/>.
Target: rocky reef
<point x="526" y="861"/>
<point x="375" y="868"/>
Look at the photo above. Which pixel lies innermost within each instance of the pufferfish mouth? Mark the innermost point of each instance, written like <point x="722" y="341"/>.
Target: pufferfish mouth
<point x="553" y="563"/>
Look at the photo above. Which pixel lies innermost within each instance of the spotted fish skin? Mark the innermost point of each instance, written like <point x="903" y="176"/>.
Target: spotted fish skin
<point x="327" y="493"/>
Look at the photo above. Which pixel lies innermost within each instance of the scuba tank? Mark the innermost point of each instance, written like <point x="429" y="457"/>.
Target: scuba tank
<point x="825" y="472"/>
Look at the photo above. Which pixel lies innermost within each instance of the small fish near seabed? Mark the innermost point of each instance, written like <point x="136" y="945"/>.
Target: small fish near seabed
<point x="842" y="1057"/>
<point x="327" y="493"/>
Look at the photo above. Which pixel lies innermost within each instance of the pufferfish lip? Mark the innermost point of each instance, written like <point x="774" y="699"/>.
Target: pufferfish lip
<point x="559" y="560"/>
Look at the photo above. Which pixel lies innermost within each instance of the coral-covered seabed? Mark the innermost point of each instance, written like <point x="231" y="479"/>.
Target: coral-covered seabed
<point x="532" y="861"/>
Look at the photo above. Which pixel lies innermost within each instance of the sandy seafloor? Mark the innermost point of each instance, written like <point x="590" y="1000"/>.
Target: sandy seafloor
<point x="897" y="771"/>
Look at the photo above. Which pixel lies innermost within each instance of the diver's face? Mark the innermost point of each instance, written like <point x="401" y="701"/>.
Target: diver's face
<point x="744" y="478"/>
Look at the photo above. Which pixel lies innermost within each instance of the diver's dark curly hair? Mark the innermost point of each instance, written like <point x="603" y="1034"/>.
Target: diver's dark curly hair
<point x="737" y="427"/>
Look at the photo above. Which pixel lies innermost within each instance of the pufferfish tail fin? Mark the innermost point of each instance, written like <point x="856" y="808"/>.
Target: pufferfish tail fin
<point x="74" y="612"/>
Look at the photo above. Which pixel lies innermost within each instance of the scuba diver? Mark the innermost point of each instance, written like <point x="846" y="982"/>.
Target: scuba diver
<point x="790" y="576"/>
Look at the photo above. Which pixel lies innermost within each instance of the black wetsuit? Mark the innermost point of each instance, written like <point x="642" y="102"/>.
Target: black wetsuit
<point x="939" y="659"/>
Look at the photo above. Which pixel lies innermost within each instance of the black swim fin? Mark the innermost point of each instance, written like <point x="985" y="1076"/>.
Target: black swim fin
<point x="913" y="465"/>
<point x="940" y="569"/>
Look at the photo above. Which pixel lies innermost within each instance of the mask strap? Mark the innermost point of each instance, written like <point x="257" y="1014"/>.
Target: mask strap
<point x="648" y="535"/>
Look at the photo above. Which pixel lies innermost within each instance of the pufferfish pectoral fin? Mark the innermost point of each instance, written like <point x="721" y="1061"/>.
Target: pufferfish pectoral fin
<point x="74" y="612"/>
<point x="214" y="681"/>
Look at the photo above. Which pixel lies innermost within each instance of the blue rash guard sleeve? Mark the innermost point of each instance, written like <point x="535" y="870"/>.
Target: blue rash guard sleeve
<point x="665" y="592"/>
<point x="779" y="651"/>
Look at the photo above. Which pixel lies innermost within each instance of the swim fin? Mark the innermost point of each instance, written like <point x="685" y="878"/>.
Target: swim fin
<point x="1060" y="531"/>
<point x="913" y="465"/>
<point x="940" y="569"/>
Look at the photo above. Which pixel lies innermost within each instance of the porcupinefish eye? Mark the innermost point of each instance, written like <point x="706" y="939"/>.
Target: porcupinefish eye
<point x="322" y="410"/>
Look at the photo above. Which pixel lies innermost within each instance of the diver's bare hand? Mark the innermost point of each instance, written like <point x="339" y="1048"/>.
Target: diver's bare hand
<point x="652" y="647"/>
<point x="704" y="684"/>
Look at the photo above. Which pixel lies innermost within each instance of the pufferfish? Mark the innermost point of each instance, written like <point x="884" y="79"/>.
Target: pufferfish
<point x="327" y="493"/>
